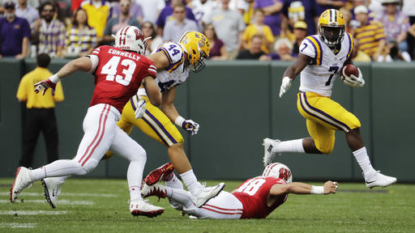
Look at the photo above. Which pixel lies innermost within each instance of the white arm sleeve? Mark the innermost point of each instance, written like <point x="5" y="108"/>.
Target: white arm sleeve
<point x="94" y="61"/>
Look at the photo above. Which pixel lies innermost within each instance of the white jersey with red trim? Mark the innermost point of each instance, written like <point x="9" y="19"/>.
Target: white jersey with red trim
<point x="319" y="76"/>
<point x="174" y="75"/>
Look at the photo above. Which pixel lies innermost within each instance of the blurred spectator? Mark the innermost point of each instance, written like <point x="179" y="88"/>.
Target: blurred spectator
<point x="114" y="24"/>
<point x="48" y="33"/>
<point x="375" y="6"/>
<point x="248" y="14"/>
<point x="304" y="10"/>
<point x="323" y="5"/>
<point x="26" y="11"/>
<point x="273" y="18"/>
<point x="81" y="39"/>
<point x="258" y="28"/>
<point x="40" y="113"/>
<point x="396" y="24"/>
<point x="63" y="9"/>
<point x="14" y="33"/>
<point x="240" y="5"/>
<point x="351" y="24"/>
<point x="409" y="10"/>
<point x="151" y="9"/>
<point x="300" y="33"/>
<point x="149" y="30"/>
<point x="135" y="10"/>
<point x="202" y="9"/>
<point x="229" y="26"/>
<point x="98" y="12"/>
<point x="167" y="15"/>
<point x="254" y="52"/>
<point x="369" y="36"/>
<point x="177" y="26"/>
<point x="283" y="51"/>
<point x="217" y="47"/>
<point x="75" y="5"/>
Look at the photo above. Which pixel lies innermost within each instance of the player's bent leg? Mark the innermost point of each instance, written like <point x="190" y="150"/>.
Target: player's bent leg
<point x="224" y="206"/>
<point x="322" y="138"/>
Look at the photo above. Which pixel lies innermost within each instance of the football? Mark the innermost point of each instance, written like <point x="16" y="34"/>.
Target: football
<point x="348" y="70"/>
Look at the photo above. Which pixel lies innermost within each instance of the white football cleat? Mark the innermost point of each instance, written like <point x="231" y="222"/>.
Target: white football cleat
<point x="269" y="144"/>
<point x="380" y="180"/>
<point x="21" y="182"/>
<point x="204" y="194"/>
<point x="140" y="207"/>
<point x="51" y="189"/>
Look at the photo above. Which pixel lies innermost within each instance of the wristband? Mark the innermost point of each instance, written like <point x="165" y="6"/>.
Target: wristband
<point x="55" y="79"/>
<point x="179" y="121"/>
<point x="317" y="189"/>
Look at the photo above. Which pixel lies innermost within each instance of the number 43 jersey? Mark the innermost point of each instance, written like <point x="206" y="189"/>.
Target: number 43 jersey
<point x="118" y="75"/>
<point x="325" y="67"/>
<point x="253" y="194"/>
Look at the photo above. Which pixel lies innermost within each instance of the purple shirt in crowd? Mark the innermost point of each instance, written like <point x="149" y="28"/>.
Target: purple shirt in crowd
<point x="215" y="50"/>
<point x="12" y="34"/>
<point x="274" y="20"/>
<point x="167" y="11"/>
<point x="135" y="10"/>
<point x="322" y="8"/>
<point x="310" y="12"/>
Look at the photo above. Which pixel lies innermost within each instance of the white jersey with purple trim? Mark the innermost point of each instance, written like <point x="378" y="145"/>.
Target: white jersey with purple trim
<point x="319" y="76"/>
<point x="174" y="75"/>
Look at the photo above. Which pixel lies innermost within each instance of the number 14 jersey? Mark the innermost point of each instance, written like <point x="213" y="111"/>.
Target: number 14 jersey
<point x="118" y="75"/>
<point x="319" y="76"/>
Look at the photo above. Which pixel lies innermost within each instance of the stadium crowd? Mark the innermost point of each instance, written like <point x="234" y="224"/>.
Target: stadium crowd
<point x="384" y="30"/>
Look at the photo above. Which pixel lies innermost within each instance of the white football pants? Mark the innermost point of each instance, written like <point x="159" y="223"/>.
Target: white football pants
<point x="101" y="133"/>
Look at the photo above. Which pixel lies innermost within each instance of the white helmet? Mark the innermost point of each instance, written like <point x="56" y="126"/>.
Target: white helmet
<point x="130" y="38"/>
<point x="278" y="170"/>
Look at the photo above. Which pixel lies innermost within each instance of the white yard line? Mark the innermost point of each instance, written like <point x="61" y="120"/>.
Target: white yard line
<point x="17" y="225"/>
<point x="38" y="212"/>
<point x="64" y="194"/>
<point x="60" y="202"/>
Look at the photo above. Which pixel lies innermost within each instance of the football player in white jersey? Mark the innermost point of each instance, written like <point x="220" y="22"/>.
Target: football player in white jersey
<point x="320" y="60"/>
<point x="173" y="62"/>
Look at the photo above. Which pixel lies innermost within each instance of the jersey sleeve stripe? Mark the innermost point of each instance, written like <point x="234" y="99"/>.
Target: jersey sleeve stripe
<point x="317" y="48"/>
<point x="167" y="54"/>
<point x="317" y="113"/>
<point x="175" y="66"/>
<point x="351" y="45"/>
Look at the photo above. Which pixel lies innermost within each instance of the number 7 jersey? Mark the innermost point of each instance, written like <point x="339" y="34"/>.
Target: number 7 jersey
<point x="325" y="67"/>
<point x="118" y="75"/>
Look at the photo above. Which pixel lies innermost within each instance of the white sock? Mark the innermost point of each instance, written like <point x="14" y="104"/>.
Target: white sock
<point x="190" y="180"/>
<point x="61" y="167"/>
<point x="174" y="182"/>
<point x="289" y="146"/>
<point x="364" y="162"/>
<point x="181" y="196"/>
<point x="134" y="178"/>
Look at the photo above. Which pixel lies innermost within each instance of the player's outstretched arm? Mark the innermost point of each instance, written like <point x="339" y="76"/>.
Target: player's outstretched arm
<point x="292" y="71"/>
<point x="82" y="64"/>
<point x="303" y="188"/>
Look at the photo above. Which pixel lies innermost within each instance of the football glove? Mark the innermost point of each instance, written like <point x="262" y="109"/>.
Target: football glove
<point x="140" y="105"/>
<point x="48" y="83"/>
<point x="286" y="84"/>
<point x="188" y="125"/>
<point x="354" y="81"/>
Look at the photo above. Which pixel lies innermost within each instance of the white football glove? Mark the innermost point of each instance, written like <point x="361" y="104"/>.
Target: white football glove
<point x="286" y="84"/>
<point x="188" y="125"/>
<point x="354" y="81"/>
<point x="140" y="107"/>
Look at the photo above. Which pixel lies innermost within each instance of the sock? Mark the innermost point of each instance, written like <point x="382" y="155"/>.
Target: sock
<point x="364" y="162"/>
<point x="289" y="146"/>
<point x="174" y="182"/>
<point x="181" y="196"/>
<point x="58" y="168"/>
<point x="135" y="192"/>
<point x="134" y="178"/>
<point x="190" y="180"/>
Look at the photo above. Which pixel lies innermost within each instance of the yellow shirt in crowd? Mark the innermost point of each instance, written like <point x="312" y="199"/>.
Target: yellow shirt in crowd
<point x="26" y="90"/>
<point x="253" y="29"/>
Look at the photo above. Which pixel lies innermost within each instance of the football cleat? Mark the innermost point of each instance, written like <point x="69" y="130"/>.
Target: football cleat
<point x="164" y="173"/>
<point x="204" y="194"/>
<point x="380" y="180"/>
<point x="51" y="189"/>
<point x="139" y="207"/>
<point x="21" y="182"/>
<point x="269" y="144"/>
<point x="154" y="190"/>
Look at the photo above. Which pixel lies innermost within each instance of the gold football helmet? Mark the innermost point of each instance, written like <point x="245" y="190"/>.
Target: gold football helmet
<point x="331" y="27"/>
<point x="197" y="47"/>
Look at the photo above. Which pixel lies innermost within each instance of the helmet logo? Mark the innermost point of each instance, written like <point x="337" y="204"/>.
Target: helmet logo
<point x="197" y="35"/>
<point x="138" y="34"/>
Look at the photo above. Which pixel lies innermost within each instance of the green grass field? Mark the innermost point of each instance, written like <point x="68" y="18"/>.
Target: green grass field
<point x="98" y="205"/>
